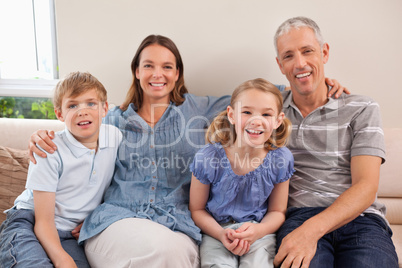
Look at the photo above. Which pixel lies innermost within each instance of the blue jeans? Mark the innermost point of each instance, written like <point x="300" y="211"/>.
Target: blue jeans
<point x="364" y="242"/>
<point x="19" y="246"/>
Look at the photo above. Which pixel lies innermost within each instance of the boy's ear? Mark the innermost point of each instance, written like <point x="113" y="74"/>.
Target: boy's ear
<point x="59" y="115"/>
<point x="105" y="108"/>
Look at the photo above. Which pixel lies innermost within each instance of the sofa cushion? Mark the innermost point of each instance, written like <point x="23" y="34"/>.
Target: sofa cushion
<point x="13" y="174"/>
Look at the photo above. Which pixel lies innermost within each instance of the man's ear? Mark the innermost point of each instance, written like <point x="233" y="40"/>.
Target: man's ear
<point x="59" y="115"/>
<point x="280" y="65"/>
<point x="325" y="53"/>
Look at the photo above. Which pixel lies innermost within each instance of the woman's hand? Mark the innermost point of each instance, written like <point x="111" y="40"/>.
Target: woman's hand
<point x="76" y="231"/>
<point x="43" y="138"/>
<point x="336" y="89"/>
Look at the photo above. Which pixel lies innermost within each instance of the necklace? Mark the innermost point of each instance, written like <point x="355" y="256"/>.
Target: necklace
<point x="142" y="115"/>
<point x="150" y="122"/>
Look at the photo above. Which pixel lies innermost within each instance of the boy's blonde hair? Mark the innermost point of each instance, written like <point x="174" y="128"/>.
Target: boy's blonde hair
<point x="75" y="84"/>
<point x="222" y="131"/>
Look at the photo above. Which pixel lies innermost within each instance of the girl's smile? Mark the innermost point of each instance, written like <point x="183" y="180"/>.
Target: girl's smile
<point x="255" y="116"/>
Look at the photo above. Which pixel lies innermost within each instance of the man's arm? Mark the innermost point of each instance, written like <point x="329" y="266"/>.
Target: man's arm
<point x="299" y="247"/>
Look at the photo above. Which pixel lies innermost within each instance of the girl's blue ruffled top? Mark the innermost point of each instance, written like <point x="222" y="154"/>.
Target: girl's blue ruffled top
<point x="240" y="198"/>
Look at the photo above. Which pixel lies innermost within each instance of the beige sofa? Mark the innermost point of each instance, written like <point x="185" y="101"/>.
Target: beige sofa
<point x="15" y="133"/>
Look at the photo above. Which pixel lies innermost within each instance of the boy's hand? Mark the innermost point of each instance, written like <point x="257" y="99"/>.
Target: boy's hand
<point x="43" y="138"/>
<point x="76" y="231"/>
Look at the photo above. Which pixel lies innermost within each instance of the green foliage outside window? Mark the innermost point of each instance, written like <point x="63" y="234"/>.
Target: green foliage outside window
<point x="20" y="107"/>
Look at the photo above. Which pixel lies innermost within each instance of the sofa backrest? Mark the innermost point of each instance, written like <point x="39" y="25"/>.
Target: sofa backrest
<point x="390" y="188"/>
<point x="15" y="133"/>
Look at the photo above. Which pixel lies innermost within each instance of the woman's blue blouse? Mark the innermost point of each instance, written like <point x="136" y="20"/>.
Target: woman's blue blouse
<point x="152" y="175"/>
<point x="235" y="197"/>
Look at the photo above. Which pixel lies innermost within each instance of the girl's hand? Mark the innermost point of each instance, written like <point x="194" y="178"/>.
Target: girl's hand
<point x="249" y="232"/>
<point x="237" y="247"/>
<point x="336" y="89"/>
<point x="43" y="138"/>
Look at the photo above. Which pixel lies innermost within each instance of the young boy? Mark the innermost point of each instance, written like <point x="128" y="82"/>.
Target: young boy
<point x="63" y="188"/>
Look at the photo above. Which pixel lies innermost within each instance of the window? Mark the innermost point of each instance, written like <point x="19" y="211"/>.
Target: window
<point x="28" y="57"/>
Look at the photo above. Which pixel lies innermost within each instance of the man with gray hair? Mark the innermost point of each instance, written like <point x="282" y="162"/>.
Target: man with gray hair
<point x="333" y="218"/>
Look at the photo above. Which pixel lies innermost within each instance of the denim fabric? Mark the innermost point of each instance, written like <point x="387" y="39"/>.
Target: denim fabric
<point x="152" y="175"/>
<point x="364" y="242"/>
<point x="19" y="246"/>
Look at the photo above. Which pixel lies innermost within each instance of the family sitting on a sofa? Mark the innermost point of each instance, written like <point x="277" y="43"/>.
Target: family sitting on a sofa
<point x="123" y="188"/>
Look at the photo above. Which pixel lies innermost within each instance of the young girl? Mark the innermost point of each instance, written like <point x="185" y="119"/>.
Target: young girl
<point x="239" y="188"/>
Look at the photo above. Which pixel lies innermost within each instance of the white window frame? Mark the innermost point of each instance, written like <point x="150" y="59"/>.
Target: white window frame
<point x="27" y="88"/>
<point x="34" y="87"/>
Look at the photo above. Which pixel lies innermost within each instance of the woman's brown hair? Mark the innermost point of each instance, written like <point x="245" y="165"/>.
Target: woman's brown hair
<point x="135" y="94"/>
<point x="222" y="131"/>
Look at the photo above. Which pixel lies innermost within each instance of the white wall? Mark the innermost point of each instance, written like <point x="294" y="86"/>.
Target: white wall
<point x="225" y="42"/>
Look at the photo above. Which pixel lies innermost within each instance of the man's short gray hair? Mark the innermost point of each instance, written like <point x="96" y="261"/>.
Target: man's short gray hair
<point x="297" y="23"/>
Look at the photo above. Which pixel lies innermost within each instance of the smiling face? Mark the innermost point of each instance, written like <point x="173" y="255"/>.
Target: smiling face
<point x="255" y="115"/>
<point x="157" y="73"/>
<point x="302" y="60"/>
<point x="83" y="115"/>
